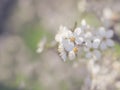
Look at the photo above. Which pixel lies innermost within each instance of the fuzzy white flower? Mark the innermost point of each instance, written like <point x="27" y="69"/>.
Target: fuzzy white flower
<point x="70" y="48"/>
<point x="67" y="49"/>
<point x="77" y="36"/>
<point x="68" y="45"/>
<point x="62" y="33"/>
<point x="67" y="42"/>
<point x="105" y="37"/>
<point x="91" y="49"/>
<point x="84" y="26"/>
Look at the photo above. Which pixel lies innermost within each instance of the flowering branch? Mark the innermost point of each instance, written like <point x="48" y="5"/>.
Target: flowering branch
<point x="83" y="40"/>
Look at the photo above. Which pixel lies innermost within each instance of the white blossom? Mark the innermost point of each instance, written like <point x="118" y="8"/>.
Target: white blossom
<point x="62" y="33"/>
<point x="91" y="49"/>
<point x="105" y="37"/>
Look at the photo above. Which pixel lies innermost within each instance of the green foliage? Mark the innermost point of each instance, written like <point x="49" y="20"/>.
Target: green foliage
<point x="19" y="79"/>
<point x="37" y="86"/>
<point x="63" y="85"/>
<point x="117" y="49"/>
<point x="2" y="87"/>
<point x="33" y="34"/>
<point x="91" y="19"/>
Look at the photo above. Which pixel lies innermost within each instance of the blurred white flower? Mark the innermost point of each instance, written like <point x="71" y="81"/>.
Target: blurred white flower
<point x="83" y="24"/>
<point x="77" y="36"/>
<point x="41" y="45"/>
<point x="91" y="49"/>
<point x="69" y="42"/>
<point x="107" y="13"/>
<point x="82" y="6"/>
<point x="68" y="45"/>
<point x="62" y="33"/>
<point x="70" y="48"/>
<point x="105" y="37"/>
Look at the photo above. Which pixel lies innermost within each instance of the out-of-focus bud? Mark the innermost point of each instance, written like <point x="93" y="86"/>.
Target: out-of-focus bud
<point x="110" y="17"/>
<point x="82" y="6"/>
<point x="114" y="16"/>
<point x="41" y="45"/>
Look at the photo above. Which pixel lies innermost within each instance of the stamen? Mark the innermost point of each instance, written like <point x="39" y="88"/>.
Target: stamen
<point x="75" y="49"/>
<point x="72" y="39"/>
<point x="91" y="49"/>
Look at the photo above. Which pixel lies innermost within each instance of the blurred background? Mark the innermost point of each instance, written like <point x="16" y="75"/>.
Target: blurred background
<point x="23" y="23"/>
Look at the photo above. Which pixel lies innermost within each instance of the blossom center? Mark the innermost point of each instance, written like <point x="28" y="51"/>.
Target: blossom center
<point x="91" y="49"/>
<point x="75" y="49"/>
<point x="72" y="39"/>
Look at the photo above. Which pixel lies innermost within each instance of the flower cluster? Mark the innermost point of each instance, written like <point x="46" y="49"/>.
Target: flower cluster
<point x="84" y="40"/>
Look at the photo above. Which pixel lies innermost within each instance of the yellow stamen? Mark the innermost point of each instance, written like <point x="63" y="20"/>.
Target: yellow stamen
<point x="75" y="49"/>
<point x="72" y="39"/>
<point x="91" y="49"/>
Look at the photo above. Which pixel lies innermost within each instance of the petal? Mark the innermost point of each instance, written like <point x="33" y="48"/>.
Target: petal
<point x="71" y="55"/>
<point x="97" y="54"/>
<point x="68" y="45"/>
<point x="88" y="35"/>
<point x="63" y="32"/>
<point x="103" y="46"/>
<point x="77" y="31"/>
<point x="79" y="40"/>
<point x="96" y="43"/>
<point x="58" y="38"/>
<point x="88" y="55"/>
<point x="109" y="34"/>
<point x="63" y="55"/>
<point x="89" y="44"/>
<point x="102" y="31"/>
<point x="110" y="42"/>
<point x="62" y="29"/>
<point x="83" y="22"/>
<point x="69" y="34"/>
<point x="83" y="25"/>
